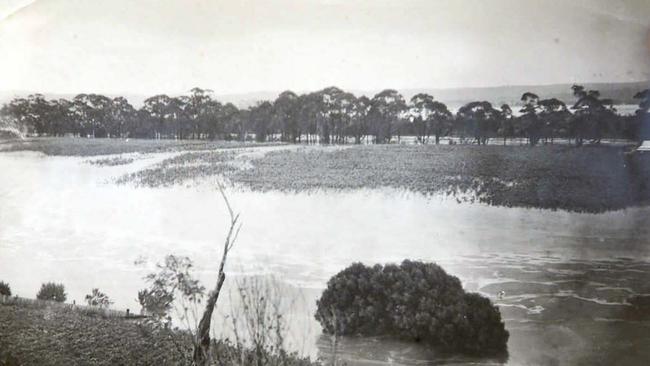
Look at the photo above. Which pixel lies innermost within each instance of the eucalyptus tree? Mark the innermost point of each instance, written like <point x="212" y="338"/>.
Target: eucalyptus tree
<point x="429" y="117"/>
<point x="310" y="114"/>
<point x="506" y="123"/>
<point x="122" y="114"/>
<point x="592" y="115"/>
<point x="337" y="109"/>
<point x="31" y="113"/>
<point x="387" y="109"/>
<point x="358" y="126"/>
<point x="157" y="107"/>
<point x="529" y="123"/>
<point x="260" y="120"/>
<point x="201" y="111"/>
<point x="554" y="116"/>
<point x="93" y="111"/>
<point x="61" y="118"/>
<point x="479" y="119"/>
<point x="230" y="120"/>
<point x="285" y="116"/>
<point x="181" y="118"/>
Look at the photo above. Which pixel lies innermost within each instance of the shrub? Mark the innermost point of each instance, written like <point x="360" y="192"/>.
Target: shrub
<point x="52" y="291"/>
<point x="5" y="289"/>
<point x="415" y="300"/>
<point x="98" y="298"/>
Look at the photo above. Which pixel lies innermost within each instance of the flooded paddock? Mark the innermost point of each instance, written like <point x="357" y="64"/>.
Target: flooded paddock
<point x="561" y="280"/>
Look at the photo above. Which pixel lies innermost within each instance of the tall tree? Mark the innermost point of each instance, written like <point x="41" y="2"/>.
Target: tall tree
<point x="480" y="120"/>
<point x="506" y="123"/>
<point x="260" y="119"/>
<point x="554" y="116"/>
<point x="93" y="111"/>
<point x="358" y="126"/>
<point x="122" y="115"/>
<point x="285" y="116"/>
<point x="429" y="117"/>
<point x="592" y="115"/>
<point x="529" y="121"/>
<point x="158" y="109"/>
<point x="387" y="108"/>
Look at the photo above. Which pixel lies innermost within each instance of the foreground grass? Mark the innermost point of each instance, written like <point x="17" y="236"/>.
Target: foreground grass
<point x="95" y="147"/>
<point x="36" y="335"/>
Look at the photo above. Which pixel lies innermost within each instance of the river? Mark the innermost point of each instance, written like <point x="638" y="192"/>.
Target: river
<point x="566" y="276"/>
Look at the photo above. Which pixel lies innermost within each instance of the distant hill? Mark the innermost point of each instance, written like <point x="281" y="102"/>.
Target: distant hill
<point x="621" y="93"/>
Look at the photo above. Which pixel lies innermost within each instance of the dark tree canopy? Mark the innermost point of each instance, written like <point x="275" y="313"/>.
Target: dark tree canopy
<point x="330" y="115"/>
<point x="414" y="300"/>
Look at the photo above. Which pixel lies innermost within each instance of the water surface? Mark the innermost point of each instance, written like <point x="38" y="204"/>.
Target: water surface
<point x="566" y="276"/>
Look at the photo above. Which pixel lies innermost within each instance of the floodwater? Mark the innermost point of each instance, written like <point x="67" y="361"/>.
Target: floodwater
<point x="566" y="276"/>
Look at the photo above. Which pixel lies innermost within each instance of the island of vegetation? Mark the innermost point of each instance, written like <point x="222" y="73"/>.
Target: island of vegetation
<point x="415" y="301"/>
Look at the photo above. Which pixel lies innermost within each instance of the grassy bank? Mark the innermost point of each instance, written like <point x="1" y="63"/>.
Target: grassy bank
<point x="37" y="335"/>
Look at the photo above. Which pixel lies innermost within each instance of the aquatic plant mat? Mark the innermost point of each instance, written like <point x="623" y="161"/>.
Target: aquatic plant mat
<point x="549" y="177"/>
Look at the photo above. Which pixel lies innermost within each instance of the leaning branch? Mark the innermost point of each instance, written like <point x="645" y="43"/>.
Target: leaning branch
<point x="201" y="355"/>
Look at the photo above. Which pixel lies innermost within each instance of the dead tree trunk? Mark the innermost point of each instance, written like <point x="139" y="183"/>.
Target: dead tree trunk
<point x="201" y="354"/>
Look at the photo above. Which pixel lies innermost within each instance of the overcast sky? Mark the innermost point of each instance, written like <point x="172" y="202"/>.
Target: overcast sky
<point x="234" y="46"/>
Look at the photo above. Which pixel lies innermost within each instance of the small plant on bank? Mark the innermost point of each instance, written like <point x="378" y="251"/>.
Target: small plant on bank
<point x="416" y="301"/>
<point x="52" y="291"/>
<point x="98" y="298"/>
<point x="5" y="289"/>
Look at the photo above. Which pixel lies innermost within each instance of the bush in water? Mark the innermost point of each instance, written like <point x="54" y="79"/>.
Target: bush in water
<point x="415" y="300"/>
<point x="52" y="291"/>
<point x="5" y="289"/>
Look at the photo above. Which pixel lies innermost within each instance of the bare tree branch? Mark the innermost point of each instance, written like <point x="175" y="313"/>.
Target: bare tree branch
<point x="201" y="355"/>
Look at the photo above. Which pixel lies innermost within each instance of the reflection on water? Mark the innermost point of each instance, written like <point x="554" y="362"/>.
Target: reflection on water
<point x="564" y="295"/>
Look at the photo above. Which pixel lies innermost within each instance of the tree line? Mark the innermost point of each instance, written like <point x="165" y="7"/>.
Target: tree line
<point x="331" y="115"/>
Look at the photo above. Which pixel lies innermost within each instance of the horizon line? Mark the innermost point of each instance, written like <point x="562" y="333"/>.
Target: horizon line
<point x="303" y="91"/>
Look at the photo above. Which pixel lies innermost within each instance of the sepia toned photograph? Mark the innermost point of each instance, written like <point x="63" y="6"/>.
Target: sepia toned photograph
<point x="325" y="182"/>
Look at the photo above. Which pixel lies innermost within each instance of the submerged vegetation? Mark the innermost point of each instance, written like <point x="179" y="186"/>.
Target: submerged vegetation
<point x="116" y="161"/>
<point x="416" y="301"/>
<point x="550" y="177"/>
<point x="182" y="168"/>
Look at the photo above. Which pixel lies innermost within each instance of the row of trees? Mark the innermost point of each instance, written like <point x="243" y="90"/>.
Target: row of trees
<point x="330" y="115"/>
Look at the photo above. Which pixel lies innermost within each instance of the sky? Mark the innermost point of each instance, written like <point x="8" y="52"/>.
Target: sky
<point x="239" y="46"/>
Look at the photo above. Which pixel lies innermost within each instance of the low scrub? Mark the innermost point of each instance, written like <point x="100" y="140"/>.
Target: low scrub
<point x="52" y="292"/>
<point x="416" y="301"/>
<point x="33" y="335"/>
<point x="5" y="289"/>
